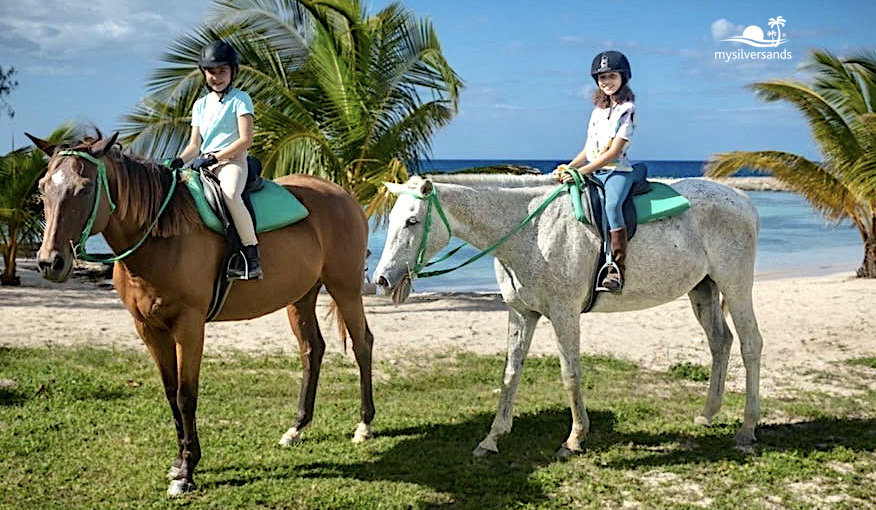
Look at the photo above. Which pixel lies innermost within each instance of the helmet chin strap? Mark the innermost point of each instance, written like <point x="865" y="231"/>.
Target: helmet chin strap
<point x="220" y="92"/>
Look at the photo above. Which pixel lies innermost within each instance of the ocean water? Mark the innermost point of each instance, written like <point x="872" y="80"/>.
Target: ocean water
<point x="794" y="240"/>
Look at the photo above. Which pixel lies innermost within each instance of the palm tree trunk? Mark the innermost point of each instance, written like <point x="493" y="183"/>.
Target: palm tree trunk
<point x="8" y="277"/>
<point x="868" y="266"/>
<point x="10" y="250"/>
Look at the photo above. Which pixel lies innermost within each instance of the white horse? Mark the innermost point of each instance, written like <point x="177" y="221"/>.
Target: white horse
<point x="546" y="269"/>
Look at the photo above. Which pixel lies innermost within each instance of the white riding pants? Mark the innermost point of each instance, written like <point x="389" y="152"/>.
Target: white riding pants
<point x="232" y="179"/>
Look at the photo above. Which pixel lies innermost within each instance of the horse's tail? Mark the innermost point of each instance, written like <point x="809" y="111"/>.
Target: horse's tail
<point x="334" y="312"/>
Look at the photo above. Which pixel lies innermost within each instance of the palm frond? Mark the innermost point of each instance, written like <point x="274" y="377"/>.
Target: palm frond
<point x="826" y="193"/>
<point x="828" y="126"/>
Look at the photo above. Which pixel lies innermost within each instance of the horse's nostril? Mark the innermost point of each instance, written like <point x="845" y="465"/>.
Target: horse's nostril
<point x="383" y="282"/>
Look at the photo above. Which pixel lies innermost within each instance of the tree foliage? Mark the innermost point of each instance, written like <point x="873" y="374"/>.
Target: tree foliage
<point x="840" y="107"/>
<point x="21" y="210"/>
<point x="7" y="85"/>
<point x="338" y="93"/>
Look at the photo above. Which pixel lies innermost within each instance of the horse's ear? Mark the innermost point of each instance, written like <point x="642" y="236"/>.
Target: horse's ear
<point x="103" y="146"/>
<point x="426" y="188"/>
<point x="48" y="148"/>
<point x="394" y="188"/>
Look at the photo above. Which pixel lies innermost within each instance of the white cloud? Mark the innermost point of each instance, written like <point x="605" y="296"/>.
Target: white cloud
<point x="722" y="29"/>
<point x="571" y="39"/>
<point x="55" y="30"/>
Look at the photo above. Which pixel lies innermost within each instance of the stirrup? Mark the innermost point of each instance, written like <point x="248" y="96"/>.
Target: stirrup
<point x="602" y="275"/>
<point x="241" y="270"/>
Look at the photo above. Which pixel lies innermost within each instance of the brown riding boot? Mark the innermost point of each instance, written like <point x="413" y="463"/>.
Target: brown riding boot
<point x="614" y="280"/>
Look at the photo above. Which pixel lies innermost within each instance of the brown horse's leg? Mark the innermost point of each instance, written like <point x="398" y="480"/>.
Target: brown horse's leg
<point x="188" y="333"/>
<point x="353" y="314"/>
<point x="163" y="350"/>
<point x="311" y="347"/>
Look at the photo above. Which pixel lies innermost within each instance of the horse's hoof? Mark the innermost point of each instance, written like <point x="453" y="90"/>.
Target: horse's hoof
<point x="291" y="437"/>
<point x="703" y="421"/>
<point x="564" y="453"/>
<point x="745" y="443"/>
<point x="180" y="488"/>
<point x="482" y="452"/>
<point x="362" y="434"/>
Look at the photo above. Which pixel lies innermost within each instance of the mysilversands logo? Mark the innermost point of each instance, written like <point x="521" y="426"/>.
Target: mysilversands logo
<point x="754" y="36"/>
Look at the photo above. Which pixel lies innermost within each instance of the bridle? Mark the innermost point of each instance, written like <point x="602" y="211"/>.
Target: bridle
<point x="103" y="185"/>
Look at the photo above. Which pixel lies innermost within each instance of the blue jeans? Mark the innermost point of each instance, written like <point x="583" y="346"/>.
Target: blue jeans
<point x="617" y="186"/>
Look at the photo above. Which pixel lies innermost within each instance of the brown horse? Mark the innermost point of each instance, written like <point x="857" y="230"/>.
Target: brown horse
<point x="166" y="283"/>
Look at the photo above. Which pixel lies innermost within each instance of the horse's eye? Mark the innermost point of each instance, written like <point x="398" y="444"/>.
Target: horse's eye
<point x="412" y="221"/>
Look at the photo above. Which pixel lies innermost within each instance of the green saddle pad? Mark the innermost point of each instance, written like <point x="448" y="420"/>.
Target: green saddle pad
<point x="274" y="206"/>
<point x="661" y="202"/>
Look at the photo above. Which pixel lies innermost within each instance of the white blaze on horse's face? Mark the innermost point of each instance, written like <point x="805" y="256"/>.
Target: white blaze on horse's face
<point x="404" y="236"/>
<point x="58" y="178"/>
<point x="67" y="196"/>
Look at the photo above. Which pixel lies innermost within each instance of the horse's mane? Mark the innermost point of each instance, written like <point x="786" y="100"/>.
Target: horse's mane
<point x="141" y="187"/>
<point x="495" y="180"/>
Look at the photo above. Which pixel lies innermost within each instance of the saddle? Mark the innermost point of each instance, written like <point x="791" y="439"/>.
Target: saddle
<point x="646" y="201"/>
<point x="270" y="205"/>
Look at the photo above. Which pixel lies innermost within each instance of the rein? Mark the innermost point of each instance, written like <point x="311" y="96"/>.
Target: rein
<point x="432" y="201"/>
<point x="103" y="184"/>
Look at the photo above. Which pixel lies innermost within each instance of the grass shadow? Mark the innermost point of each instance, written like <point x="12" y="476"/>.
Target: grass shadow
<point x="507" y="478"/>
<point x="494" y="481"/>
<point x="806" y="438"/>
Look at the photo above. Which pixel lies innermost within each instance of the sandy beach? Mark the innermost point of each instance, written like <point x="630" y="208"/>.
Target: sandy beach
<point x="808" y="324"/>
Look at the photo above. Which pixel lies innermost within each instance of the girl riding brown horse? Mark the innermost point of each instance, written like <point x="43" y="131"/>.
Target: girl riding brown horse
<point x="166" y="282"/>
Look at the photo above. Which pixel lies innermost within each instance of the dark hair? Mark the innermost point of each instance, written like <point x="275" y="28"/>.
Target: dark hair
<point x="623" y="95"/>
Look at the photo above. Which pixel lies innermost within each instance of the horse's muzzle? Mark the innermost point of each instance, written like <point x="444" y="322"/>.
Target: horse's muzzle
<point x="55" y="266"/>
<point x="399" y="291"/>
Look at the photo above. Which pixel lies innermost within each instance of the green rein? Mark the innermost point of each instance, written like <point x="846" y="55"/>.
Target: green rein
<point x="433" y="201"/>
<point x="103" y="185"/>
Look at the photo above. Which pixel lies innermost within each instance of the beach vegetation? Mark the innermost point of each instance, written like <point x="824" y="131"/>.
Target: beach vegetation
<point x="21" y="210"/>
<point x="840" y="106"/>
<point x="90" y="428"/>
<point x="339" y="93"/>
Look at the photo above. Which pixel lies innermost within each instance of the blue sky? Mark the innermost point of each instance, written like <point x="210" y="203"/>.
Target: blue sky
<point x="525" y="66"/>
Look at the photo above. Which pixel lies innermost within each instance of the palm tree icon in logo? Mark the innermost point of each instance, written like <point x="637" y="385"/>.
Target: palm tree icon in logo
<point x="754" y="36"/>
<point x="777" y="22"/>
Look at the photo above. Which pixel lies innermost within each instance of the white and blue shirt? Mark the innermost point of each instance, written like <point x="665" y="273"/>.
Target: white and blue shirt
<point x="605" y="125"/>
<point x="217" y="119"/>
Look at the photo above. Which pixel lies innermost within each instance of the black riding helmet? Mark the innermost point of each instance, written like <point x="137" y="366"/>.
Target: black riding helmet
<point x="219" y="53"/>
<point x="611" y="61"/>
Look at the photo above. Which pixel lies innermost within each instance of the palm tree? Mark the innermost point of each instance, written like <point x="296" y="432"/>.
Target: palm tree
<point x="21" y="212"/>
<point x="777" y="22"/>
<point x="337" y="93"/>
<point x="839" y="106"/>
<point x="772" y="33"/>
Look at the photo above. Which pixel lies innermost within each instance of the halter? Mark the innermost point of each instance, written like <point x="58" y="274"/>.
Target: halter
<point x="432" y="200"/>
<point x="103" y="183"/>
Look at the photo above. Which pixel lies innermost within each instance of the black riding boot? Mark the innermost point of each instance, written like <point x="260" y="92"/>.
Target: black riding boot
<point x="253" y="264"/>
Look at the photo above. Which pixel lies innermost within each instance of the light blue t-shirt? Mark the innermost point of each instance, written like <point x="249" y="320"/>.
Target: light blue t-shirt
<point x="217" y="120"/>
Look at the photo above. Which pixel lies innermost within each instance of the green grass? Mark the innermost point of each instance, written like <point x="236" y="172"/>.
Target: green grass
<point x="90" y="429"/>
<point x="690" y="371"/>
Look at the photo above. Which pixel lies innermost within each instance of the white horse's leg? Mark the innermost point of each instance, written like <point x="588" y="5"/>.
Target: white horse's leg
<point x="568" y="330"/>
<point x="521" y="326"/>
<point x="706" y="303"/>
<point x="742" y="311"/>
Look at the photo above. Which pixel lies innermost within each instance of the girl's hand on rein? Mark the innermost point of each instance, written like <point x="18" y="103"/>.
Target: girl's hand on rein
<point x="561" y="173"/>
